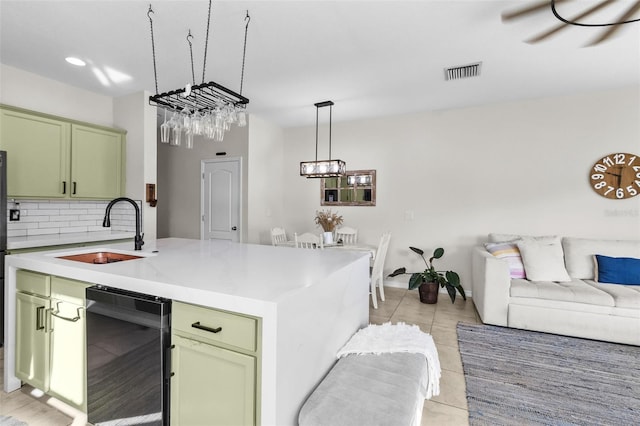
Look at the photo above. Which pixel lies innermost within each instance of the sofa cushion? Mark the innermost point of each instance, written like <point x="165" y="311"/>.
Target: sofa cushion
<point x="510" y="253"/>
<point x="543" y="259"/>
<point x="579" y="252"/>
<point x="623" y="296"/>
<point x="576" y="291"/>
<point x="617" y="270"/>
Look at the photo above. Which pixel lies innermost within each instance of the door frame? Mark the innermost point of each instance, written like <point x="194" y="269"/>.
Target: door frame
<point x="203" y="164"/>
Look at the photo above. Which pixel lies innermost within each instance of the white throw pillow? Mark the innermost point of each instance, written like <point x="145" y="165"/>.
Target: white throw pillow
<point x="506" y="238"/>
<point x="543" y="259"/>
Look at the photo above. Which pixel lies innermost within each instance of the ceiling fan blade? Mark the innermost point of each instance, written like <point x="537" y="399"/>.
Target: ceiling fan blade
<point x="536" y="7"/>
<point x="576" y="18"/>
<point x="613" y="28"/>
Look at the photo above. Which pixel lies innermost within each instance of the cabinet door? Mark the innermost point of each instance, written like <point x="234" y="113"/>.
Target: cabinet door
<point x="96" y="163"/>
<point x="211" y="385"/>
<point x="37" y="155"/>
<point x="67" y="372"/>
<point x="68" y="364"/>
<point x="32" y="340"/>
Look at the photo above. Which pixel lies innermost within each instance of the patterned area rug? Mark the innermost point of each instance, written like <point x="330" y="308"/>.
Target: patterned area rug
<point x="517" y="377"/>
<point x="10" y="421"/>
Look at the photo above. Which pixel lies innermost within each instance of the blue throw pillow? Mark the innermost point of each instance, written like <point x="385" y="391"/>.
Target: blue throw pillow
<point x="618" y="270"/>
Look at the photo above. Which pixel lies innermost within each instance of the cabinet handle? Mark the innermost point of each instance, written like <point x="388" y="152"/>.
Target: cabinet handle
<point x="40" y="318"/>
<point x="64" y="186"/>
<point x="205" y="328"/>
<point x="74" y="188"/>
<point x="57" y="311"/>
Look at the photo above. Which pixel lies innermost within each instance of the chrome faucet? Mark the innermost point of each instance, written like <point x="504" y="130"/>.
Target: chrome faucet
<point x="107" y="221"/>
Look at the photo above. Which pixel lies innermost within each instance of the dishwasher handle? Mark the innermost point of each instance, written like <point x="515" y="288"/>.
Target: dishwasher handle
<point x="205" y="328"/>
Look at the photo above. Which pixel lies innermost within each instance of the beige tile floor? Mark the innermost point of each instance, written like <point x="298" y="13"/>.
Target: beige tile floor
<point x="448" y="408"/>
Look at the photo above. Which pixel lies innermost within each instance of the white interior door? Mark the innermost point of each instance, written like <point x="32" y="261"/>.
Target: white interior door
<point x="221" y="199"/>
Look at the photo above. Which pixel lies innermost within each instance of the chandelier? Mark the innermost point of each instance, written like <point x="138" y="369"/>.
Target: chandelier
<point x="206" y="109"/>
<point x="323" y="168"/>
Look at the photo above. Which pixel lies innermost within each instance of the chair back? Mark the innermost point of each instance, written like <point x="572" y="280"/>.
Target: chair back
<point x="347" y="235"/>
<point x="308" y="241"/>
<point x="278" y="236"/>
<point x="381" y="254"/>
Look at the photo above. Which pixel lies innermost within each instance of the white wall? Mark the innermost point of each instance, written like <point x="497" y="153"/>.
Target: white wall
<point x="265" y="170"/>
<point x="30" y="91"/>
<point x="134" y="113"/>
<point x="448" y="178"/>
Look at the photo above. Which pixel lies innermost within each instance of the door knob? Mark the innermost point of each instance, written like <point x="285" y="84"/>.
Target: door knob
<point x="234" y="228"/>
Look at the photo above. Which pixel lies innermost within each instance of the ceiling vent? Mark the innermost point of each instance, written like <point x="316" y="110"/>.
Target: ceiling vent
<point x="463" y="71"/>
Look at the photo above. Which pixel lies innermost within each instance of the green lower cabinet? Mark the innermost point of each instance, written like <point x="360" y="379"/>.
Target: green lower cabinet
<point x="210" y="385"/>
<point x="32" y="340"/>
<point x="51" y="336"/>
<point x="215" y="367"/>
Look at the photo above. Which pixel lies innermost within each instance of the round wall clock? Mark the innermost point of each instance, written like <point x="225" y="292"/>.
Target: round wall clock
<point x="616" y="176"/>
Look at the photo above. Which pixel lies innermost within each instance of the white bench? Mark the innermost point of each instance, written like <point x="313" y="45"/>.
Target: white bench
<point x="374" y="389"/>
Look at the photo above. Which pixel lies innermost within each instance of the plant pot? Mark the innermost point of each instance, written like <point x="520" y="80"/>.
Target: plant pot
<point x="429" y="292"/>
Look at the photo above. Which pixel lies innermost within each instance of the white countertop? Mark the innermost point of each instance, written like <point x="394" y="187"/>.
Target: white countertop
<point x="226" y="275"/>
<point x="15" y="243"/>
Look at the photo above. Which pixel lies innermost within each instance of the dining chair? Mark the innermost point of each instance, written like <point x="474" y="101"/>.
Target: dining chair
<point x="308" y="241"/>
<point x="347" y="235"/>
<point x="377" y="269"/>
<point x="278" y="236"/>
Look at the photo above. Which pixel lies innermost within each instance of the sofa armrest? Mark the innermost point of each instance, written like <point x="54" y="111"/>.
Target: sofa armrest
<point x="490" y="286"/>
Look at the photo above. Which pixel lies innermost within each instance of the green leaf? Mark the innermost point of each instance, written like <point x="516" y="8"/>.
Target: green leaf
<point x="453" y="278"/>
<point x="416" y="250"/>
<point x="461" y="290"/>
<point x="415" y="281"/>
<point x="398" y="271"/>
<point x="452" y="293"/>
<point x="438" y="253"/>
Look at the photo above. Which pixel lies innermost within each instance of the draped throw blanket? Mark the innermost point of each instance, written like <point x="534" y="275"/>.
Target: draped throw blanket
<point x="401" y="337"/>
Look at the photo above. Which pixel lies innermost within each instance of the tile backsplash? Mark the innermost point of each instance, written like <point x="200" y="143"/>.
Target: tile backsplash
<point x="41" y="217"/>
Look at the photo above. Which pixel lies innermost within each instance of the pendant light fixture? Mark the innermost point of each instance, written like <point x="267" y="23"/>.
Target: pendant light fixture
<point x="323" y="168"/>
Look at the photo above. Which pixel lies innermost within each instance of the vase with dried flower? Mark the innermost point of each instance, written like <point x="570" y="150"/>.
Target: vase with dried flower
<point x="328" y="221"/>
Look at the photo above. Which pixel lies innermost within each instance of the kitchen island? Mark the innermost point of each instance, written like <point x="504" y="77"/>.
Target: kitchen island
<point x="309" y="302"/>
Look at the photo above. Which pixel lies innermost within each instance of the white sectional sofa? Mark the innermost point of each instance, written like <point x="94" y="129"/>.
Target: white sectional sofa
<point x="576" y="305"/>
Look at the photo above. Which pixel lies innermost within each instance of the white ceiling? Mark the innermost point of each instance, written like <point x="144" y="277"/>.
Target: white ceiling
<point x="372" y="58"/>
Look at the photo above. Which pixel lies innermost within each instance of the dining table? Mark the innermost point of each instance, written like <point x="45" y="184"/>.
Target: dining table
<point x="339" y="246"/>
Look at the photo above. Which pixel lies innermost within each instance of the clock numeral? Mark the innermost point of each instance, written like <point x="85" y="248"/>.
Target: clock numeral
<point x="637" y="182"/>
<point x="600" y="185"/>
<point x="633" y="158"/>
<point x="607" y="161"/>
<point x="597" y="176"/>
<point x="619" y="158"/>
<point x="632" y="191"/>
<point x="611" y="188"/>
<point x="600" y="168"/>
<point x="619" y="193"/>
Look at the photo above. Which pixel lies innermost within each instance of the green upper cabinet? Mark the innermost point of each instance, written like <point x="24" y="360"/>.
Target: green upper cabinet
<point x="51" y="157"/>
<point x="96" y="163"/>
<point x="37" y="154"/>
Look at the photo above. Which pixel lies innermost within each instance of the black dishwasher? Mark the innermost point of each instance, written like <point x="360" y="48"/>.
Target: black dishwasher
<point x="128" y="346"/>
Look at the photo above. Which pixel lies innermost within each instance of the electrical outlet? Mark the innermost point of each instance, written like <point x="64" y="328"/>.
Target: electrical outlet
<point x="14" y="214"/>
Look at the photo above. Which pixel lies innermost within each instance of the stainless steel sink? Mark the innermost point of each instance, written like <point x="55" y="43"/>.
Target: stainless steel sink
<point x="100" y="257"/>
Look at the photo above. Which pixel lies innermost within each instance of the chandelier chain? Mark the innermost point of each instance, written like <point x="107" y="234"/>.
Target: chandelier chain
<point x="193" y="75"/>
<point x="206" y="44"/>
<point x="153" y="48"/>
<point x="244" y="49"/>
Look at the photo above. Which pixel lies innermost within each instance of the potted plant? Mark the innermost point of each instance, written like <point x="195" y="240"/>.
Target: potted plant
<point x="328" y="221"/>
<point x="428" y="281"/>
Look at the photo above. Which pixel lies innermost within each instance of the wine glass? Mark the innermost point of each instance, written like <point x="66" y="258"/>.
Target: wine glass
<point x="165" y="129"/>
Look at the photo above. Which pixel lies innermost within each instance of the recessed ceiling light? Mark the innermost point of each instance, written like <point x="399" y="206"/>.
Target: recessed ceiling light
<point x="75" y="61"/>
